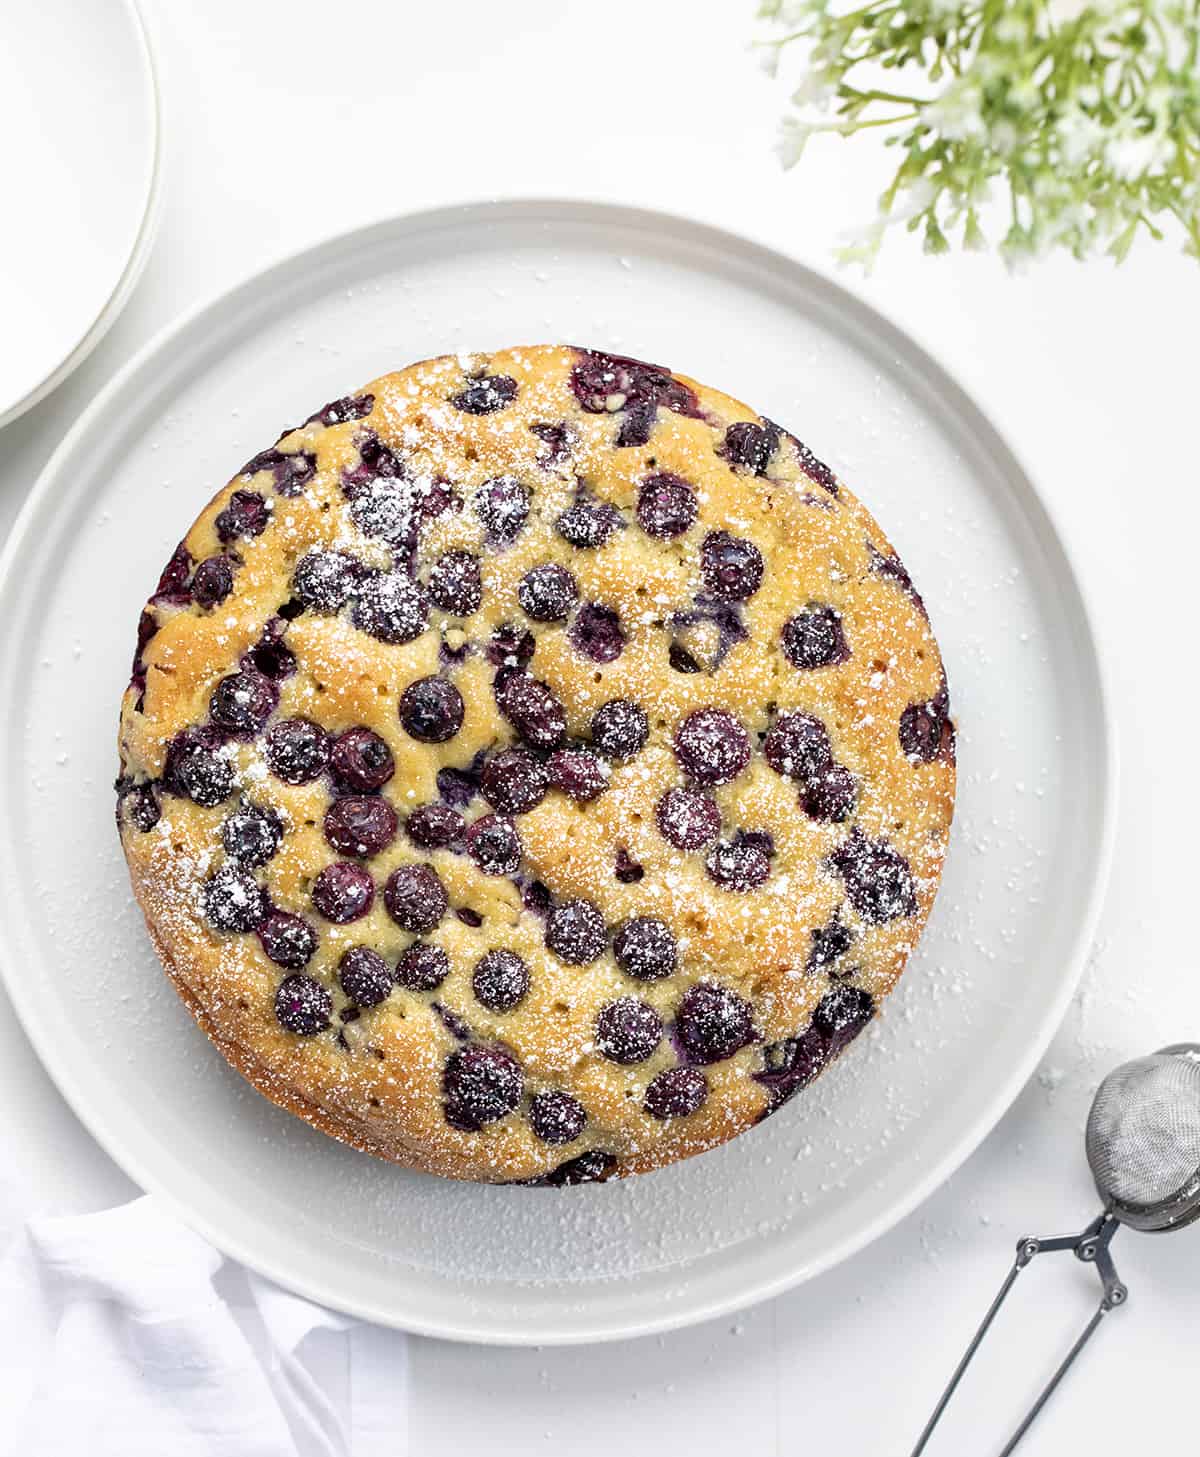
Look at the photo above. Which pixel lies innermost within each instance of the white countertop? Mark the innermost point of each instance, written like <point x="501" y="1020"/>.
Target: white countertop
<point x="286" y="123"/>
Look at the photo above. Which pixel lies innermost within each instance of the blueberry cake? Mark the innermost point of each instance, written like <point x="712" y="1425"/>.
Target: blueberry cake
<point x="536" y="768"/>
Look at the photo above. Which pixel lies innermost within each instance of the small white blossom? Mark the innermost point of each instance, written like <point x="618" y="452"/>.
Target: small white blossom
<point x="956" y="112"/>
<point x="1131" y="157"/>
<point x="794" y="136"/>
<point x="1080" y="136"/>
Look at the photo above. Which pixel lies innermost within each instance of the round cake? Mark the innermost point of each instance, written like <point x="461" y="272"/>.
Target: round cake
<point x="536" y="768"/>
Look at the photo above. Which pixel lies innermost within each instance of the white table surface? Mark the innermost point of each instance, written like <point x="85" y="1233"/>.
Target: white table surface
<point x="288" y="122"/>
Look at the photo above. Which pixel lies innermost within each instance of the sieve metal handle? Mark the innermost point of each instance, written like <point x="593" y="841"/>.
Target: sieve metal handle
<point x="1090" y="1246"/>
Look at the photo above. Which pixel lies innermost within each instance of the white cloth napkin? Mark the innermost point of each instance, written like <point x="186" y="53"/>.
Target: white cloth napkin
<point x="132" y="1337"/>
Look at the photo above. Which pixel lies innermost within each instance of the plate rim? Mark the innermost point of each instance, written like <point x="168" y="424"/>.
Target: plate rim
<point x="139" y="252"/>
<point x="883" y="325"/>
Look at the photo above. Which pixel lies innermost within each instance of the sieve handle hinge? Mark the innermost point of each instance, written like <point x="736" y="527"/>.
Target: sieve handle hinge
<point x="1091" y="1246"/>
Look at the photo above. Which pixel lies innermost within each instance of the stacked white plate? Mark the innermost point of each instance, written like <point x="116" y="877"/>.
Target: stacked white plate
<point x="79" y="118"/>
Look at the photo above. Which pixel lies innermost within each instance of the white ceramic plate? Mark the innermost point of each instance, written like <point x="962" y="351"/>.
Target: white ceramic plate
<point x="842" y="1162"/>
<point x="79" y="115"/>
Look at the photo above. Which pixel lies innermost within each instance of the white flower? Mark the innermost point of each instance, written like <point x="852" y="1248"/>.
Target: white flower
<point x="793" y="138"/>
<point x="1132" y="157"/>
<point x="1063" y="12"/>
<point x="1011" y="29"/>
<point x="1003" y="137"/>
<point x="1079" y="136"/>
<point x="1024" y="95"/>
<point x="816" y="89"/>
<point x="913" y="200"/>
<point x="956" y="112"/>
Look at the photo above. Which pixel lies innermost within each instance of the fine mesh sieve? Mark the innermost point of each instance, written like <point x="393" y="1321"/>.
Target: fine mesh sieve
<point x="1143" y="1140"/>
<point x="1143" y="1147"/>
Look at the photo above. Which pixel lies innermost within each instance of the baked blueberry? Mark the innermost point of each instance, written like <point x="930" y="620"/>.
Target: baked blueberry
<point x="798" y="745"/>
<point x="458" y="787"/>
<point x="232" y="900"/>
<point x="556" y="1117"/>
<point x="688" y="818"/>
<point x="592" y="1167"/>
<point x="385" y="509"/>
<point x="303" y="1005"/>
<point x="677" y="1092"/>
<point x="556" y="443"/>
<point x="500" y="980"/>
<point x="580" y="775"/>
<point x="212" y="581"/>
<point x="455" y="583"/>
<point x="494" y="845"/>
<point x="288" y="940"/>
<point x="750" y="445"/>
<point x="646" y="949"/>
<point x="197" y="769"/>
<point x="713" y="1022"/>
<point x="815" y="638"/>
<point x="738" y="865"/>
<point x="576" y="933"/>
<point x="877" y="877"/>
<point x="631" y="389"/>
<point x="712" y="746"/>
<point x="926" y="732"/>
<point x="481" y="1085"/>
<point x="588" y="524"/>
<point x="246" y="515"/>
<point x="626" y="868"/>
<point x="547" y="593"/>
<point x="828" y="944"/>
<point x="423" y="967"/>
<point x="173" y="579"/>
<point x="361" y="825"/>
<point x="251" y="836"/>
<point x="292" y="470"/>
<point x="620" y="728"/>
<point x="360" y="761"/>
<point x="365" y="976"/>
<point x="484" y="394"/>
<point x="338" y="412"/>
<point x="731" y="566"/>
<point x="666" y="506"/>
<point x="242" y="703"/>
<point x="533" y="709"/>
<point x="513" y="781"/>
<point x="343" y="892"/>
<point x="842" y="1013"/>
<point x="297" y="750"/>
<point x="830" y="794"/>
<point x="815" y="469"/>
<point x="434" y="826"/>
<point x="390" y="607"/>
<point x="502" y="505"/>
<point x="597" y="633"/>
<point x="415" y="898"/>
<point x="628" y="1031"/>
<point x="509" y="649"/>
<point x="431" y="710"/>
<point x="325" y="580"/>
<point x="270" y="656"/>
<point x="141" y="807"/>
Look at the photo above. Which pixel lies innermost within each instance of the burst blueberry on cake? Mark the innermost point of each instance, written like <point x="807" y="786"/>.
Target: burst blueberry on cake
<point x="536" y="767"/>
